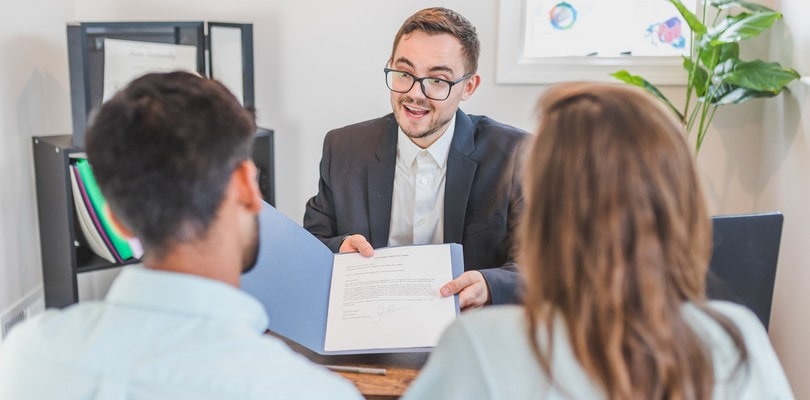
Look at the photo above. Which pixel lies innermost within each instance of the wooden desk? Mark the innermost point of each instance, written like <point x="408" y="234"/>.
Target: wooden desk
<point x="401" y="369"/>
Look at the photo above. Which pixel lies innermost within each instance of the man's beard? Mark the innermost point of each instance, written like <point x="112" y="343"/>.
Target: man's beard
<point x="251" y="251"/>
<point x="431" y="129"/>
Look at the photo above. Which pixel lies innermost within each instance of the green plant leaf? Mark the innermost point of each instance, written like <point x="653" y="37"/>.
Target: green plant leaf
<point x="756" y="75"/>
<point x="691" y="19"/>
<point x="717" y="76"/>
<point x="708" y="40"/>
<point x="724" y="4"/>
<point x="729" y="94"/>
<point x="709" y="56"/>
<point x="698" y="80"/>
<point x="729" y="50"/>
<point x="635" y="80"/>
<point x="741" y="27"/>
<point x="714" y="55"/>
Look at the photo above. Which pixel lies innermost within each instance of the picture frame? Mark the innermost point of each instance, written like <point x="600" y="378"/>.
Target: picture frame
<point x="515" y="66"/>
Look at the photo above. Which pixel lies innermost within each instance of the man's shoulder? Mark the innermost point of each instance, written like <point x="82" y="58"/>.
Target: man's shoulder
<point x="267" y="365"/>
<point x="491" y="138"/>
<point x="371" y="127"/>
<point x="494" y="137"/>
<point x="248" y="365"/>
<point x="360" y="141"/>
<point x="54" y="320"/>
<point x="486" y="125"/>
<point x="23" y="333"/>
<point x="52" y="329"/>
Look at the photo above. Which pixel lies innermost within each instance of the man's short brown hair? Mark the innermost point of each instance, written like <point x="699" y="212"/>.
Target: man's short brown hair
<point x="438" y="20"/>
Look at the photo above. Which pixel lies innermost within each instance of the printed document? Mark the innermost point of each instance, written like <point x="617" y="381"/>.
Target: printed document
<point x="346" y="303"/>
<point x="125" y="60"/>
<point x="376" y="302"/>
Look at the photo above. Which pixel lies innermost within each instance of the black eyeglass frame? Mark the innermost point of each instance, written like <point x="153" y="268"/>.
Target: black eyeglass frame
<point x="422" y="84"/>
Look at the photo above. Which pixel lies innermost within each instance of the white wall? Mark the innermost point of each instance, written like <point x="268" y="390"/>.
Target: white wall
<point x="757" y="158"/>
<point x="34" y="100"/>
<point x="784" y="177"/>
<point x="318" y="66"/>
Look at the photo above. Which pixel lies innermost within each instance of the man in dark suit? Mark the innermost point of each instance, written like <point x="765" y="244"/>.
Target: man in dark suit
<point x="428" y="172"/>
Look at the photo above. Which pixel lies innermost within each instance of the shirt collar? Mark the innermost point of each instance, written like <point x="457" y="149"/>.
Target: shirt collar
<point x="185" y="294"/>
<point x="407" y="150"/>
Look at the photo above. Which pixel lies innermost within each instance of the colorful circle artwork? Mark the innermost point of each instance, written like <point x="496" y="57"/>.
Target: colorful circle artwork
<point x="562" y="16"/>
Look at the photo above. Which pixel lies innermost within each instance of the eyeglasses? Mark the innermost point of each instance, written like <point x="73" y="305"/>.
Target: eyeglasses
<point x="432" y="88"/>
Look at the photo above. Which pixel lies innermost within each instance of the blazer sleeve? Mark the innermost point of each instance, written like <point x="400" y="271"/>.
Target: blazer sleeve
<point x="319" y="216"/>
<point x="505" y="282"/>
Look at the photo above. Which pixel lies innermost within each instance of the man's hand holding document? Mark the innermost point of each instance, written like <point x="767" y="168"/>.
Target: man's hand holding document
<point x="347" y="303"/>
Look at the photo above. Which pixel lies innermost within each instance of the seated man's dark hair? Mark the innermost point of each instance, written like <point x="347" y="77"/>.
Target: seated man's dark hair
<point x="163" y="150"/>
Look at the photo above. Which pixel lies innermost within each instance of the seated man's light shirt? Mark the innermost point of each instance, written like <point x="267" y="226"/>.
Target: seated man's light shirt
<point x="159" y="335"/>
<point x="417" y="204"/>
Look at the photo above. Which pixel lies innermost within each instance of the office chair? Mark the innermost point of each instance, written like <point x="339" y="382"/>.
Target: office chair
<point x="743" y="263"/>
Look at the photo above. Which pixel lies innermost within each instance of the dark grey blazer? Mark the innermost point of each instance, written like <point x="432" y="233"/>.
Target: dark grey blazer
<point x="482" y="192"/>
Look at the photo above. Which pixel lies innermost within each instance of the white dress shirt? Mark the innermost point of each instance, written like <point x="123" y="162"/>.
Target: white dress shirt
<point x="159" y="335"/>
<point x="417" y="204"/>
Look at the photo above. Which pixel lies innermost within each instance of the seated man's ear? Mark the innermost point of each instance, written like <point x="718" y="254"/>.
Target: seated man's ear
<point x="246" y="184"/>
<point x="470" y="85"/>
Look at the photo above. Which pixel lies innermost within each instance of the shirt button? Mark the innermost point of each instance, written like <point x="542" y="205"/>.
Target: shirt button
<point x="421" y="221"/>
<point x="423" y="181"/>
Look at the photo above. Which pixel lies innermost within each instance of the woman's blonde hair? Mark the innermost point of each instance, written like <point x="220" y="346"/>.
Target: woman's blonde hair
<point x="615" y="238"/>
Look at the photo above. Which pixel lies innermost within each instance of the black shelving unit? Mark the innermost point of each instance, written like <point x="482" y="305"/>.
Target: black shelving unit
<point x="64" y="249"/>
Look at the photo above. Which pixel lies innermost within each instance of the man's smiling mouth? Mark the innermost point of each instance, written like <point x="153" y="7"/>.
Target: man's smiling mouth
<point x="415" y="111"/>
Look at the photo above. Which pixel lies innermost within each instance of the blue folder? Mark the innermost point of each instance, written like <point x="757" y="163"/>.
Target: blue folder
<point x="292" y="279"/>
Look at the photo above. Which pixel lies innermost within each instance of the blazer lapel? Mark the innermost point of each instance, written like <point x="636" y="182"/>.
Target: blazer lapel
<point x="460" y="175"/>
<point x="380" y="187"/>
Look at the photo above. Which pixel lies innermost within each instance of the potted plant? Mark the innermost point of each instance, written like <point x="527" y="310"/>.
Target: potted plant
<point x="716" y="74"/>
